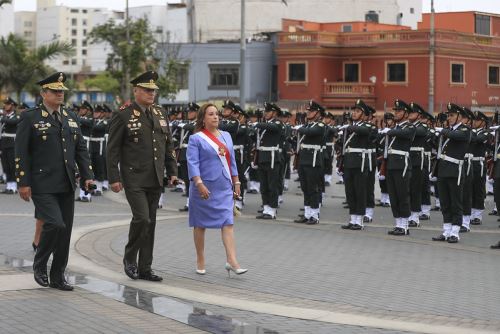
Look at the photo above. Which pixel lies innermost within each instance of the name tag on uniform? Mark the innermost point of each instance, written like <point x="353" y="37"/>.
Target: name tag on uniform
<point x="163" y="122"/>
<point x="73" y="124"/>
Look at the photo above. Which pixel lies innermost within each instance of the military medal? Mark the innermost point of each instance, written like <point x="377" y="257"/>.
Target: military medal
<point x="44" y="137"/>
<point x="222" y="151"/>
<point x="136" y="113"/>
<point x="44" y="113"/>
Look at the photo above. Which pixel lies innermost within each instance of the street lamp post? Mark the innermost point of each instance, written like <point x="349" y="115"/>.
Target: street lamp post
<point x="431" y="61"/>
<point x="242" y="56"/>
<point x="127" y="70"/>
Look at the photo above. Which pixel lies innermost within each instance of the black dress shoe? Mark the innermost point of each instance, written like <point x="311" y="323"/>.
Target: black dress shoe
<point x="386" y="205"/>
<point x="439" y="238"/>
<point x="344" y="202"/>
<point x="312" y="221"/>
<point x="97" y="193"/>
<point x="177" y="190"/>
<point x="391" y="232"/>
<point x="367" y="219"/>
<point x="346" y="206"/>
<point x="424" y="217"/>
<point x="400" y="231"/>
<point x="8" y="192"/>
<point x="493" y="213"/>
<point x="327" y="184"/>
<point x="130" y="269"/>
<point x="150" y="276"/>
<point x="476" y="221"/>
<point x="339" y="182"/>
<point x="453" y="239"/>
<point x="265" y="216"/>
<point x="356" y="227"/>
<point x="436" y="208"/>
<point x="464" y="229"/>
<point x="496" y="246"/>
<point x="301" y="209"/>
<point x="252" y="191"/>
<point x="184" y="209"/>
<point x="260" y="211"/>
<point x="41" y="277"/>
<point x="413" y="223"/>
<point x="347" y="226"/>
<point x="62" y="285"/>
<point x="302" y="220"/>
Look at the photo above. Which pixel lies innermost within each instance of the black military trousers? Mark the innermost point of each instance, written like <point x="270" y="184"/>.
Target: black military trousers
<point x="478" y="187"/>
<point x="98" y="165"/>
<point x="139" y="249"/>
<point x="311" y="184"/>
<point x="426" y="188"/>
<point x="57" y="212"/>
<point x="496" y="191"/>
<point x="355" y="190"/>
<point x="467" y="192"/>
<point x="450" y="196"/>
<point x="282" y="179"/>
<point x="241" y="167"/>
<point x="8" y="163"/>
<point x="370" y="189"/>
<point x="416" y="181"/>
<point x="269" y="183"/>
<point x="398" y="187"/>
<point x="184" y="175"/>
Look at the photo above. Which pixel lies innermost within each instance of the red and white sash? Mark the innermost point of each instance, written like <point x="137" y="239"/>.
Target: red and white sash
<point x="221" y="150"/>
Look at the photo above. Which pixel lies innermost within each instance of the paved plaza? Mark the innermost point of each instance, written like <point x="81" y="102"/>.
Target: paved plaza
<point x="301" y="279"/>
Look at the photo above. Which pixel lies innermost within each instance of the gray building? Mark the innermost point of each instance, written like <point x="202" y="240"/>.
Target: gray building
<point x="213" y="72"/>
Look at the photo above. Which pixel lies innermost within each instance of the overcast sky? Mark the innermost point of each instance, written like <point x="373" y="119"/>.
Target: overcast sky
<point x="492" y="6"/>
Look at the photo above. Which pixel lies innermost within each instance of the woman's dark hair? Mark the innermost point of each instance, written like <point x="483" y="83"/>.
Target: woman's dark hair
<point x="200" y="116"/>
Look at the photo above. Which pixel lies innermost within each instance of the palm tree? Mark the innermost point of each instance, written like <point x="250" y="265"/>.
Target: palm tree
<point x="21" y="67"/>
<point x="4" y="2"/>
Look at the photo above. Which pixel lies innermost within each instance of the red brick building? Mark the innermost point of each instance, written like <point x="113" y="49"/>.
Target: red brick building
<point x="337" y="63"/>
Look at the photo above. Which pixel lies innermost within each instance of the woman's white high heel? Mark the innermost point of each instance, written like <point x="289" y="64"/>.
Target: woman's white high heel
<point x="238" y="271"/>
<point x="201" y="271"/>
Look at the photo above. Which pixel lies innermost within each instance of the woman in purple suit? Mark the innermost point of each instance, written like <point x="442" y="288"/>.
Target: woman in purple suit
<point x="212" y="169"/>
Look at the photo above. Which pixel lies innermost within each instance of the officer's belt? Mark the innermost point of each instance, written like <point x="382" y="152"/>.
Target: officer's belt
<point x="481" y="162"/>
<point x="364" y="153"/>
<point x="271" y="149"/>
<point x="316" y="148"/>
<point x="401" y="153"/>
<point x="239" y="148"/>
<point x="468" y="157"/>
<point x="458" y="162"/>
<point x="99" y="140"/>
<point x="8" y="135"/>
<point x="421" y="150"/>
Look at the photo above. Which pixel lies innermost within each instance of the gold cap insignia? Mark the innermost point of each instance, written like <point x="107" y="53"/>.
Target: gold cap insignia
<point x="44" y="113"/>
<point x="61" y="77"/>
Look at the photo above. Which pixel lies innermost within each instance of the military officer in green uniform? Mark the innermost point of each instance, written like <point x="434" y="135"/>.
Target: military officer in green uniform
<point x="269" y="160"/>
<point x="8" y="124"/>
<point x="399" y="166"/>
<point x="479" y="145"/>
<point x="49" y="148"/>
<point x="450" y="176"/>
<point x="311" y="162"/>
<point x="141" y="144"/>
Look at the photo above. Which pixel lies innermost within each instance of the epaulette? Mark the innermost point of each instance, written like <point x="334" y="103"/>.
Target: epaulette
<point x="124" y="106"/>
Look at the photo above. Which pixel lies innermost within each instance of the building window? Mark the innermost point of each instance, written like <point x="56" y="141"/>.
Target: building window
<point x="73" y="32"/>
<point x="73" y="42"/>
<point x="351" y="72"/>
<point x="224" y="76"/>
<point x="482" y="25"/>
<point x="84" y="52"/>
<point x="74" y="10"/>
<point x="371" y="16"/>
<point x="73" y="61"/>
<point x="74" y="22"/>
<point x="346" y="28"/>
<point x="183" y="76"/>
<point x="65" y="62"/>
<point x="457" y="73"/>
<point x="84" y="32"/>
<point x="84" y="11"/>
<point x="494" y="74"/>
<point x="84" y="43"/>
<point x="412" y="10"/>
<point x="84" y="22"/>
<point x="27" y="34"/>
<point x="297" y="72"/>
<point x="28" y="24"/>
<point x="396" y="72"/>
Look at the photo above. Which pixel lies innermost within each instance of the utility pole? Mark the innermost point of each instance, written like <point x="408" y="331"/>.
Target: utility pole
<point x="242" y="56"/>
<point x="127" y="69"/>
<point x="432" y="61"/>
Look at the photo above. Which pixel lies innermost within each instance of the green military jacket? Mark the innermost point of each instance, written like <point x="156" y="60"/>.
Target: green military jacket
<point x="139" y="150"/>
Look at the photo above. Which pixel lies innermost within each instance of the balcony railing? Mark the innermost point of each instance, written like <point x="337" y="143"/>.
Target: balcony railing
<point x="349" y="90"/>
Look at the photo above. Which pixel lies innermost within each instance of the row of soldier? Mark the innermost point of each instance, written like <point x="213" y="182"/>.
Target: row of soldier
<point x="411" y="152"/>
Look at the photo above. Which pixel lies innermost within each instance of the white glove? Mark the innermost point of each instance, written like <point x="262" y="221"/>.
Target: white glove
<point x="432" y="178"/>
<point x="253" y="165"/>
<point x="341" y="133"/>
<point x="381" y="177"/>
<point x="181" y="125"/>
<point x="490" y="181"/>
<point x="296" y="127"/>
<point x="438" y="129"/>
<point x="338" y="172"/>
<point x="494" y="128"/>
<point x="384" y="130"/>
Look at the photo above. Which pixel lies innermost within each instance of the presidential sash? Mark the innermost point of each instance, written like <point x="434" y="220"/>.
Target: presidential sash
<point x="221" y="150"/>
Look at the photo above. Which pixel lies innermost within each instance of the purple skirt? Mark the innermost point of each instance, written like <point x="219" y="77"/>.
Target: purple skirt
<point x="217" y="210"/>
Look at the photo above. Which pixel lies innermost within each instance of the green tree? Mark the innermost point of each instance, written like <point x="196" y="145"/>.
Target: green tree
<point x="4" y="2"/>
<point x="136" y="56"/>
<point x="21" y="67"/>
<point x="104" y="82"/>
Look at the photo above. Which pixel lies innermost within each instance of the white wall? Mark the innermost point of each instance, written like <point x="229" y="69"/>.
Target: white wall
<point x="221" y="19"/>
<point x="166" y="22"/>
<point x="6" y="20"/>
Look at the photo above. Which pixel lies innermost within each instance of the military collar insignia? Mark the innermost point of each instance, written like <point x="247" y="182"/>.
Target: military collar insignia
<point x="44" y="113"/>
<point x="65" y="113"/>
<point x="137" y="113"/>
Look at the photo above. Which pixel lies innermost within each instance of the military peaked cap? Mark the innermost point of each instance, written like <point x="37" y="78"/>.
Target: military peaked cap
<point x="87" y="105"/>
<point x="106" y="108"/>
<point x="192" y="106"/>
<point x="401" y="105"/>
<point x="146" y="80"/>
<point x="361" y="105"/>
<point x="480" y="116"/>
<point x="268" y="106"/>
<point x="314" y="106"/>
<point x="417" y="108"/>
<point x="388" y="115"/>
<point x="24" y="106"/>
<point x="228" y="104"/>
<point x="54" y="82"/>
<point x="9" y="100"/>
<point x="466" y="112"/>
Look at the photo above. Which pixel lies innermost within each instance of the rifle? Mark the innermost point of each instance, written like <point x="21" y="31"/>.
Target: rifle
<point x="441" y="118"/>
<point x="299" y="120"/>
<point x="346" y="117"/>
